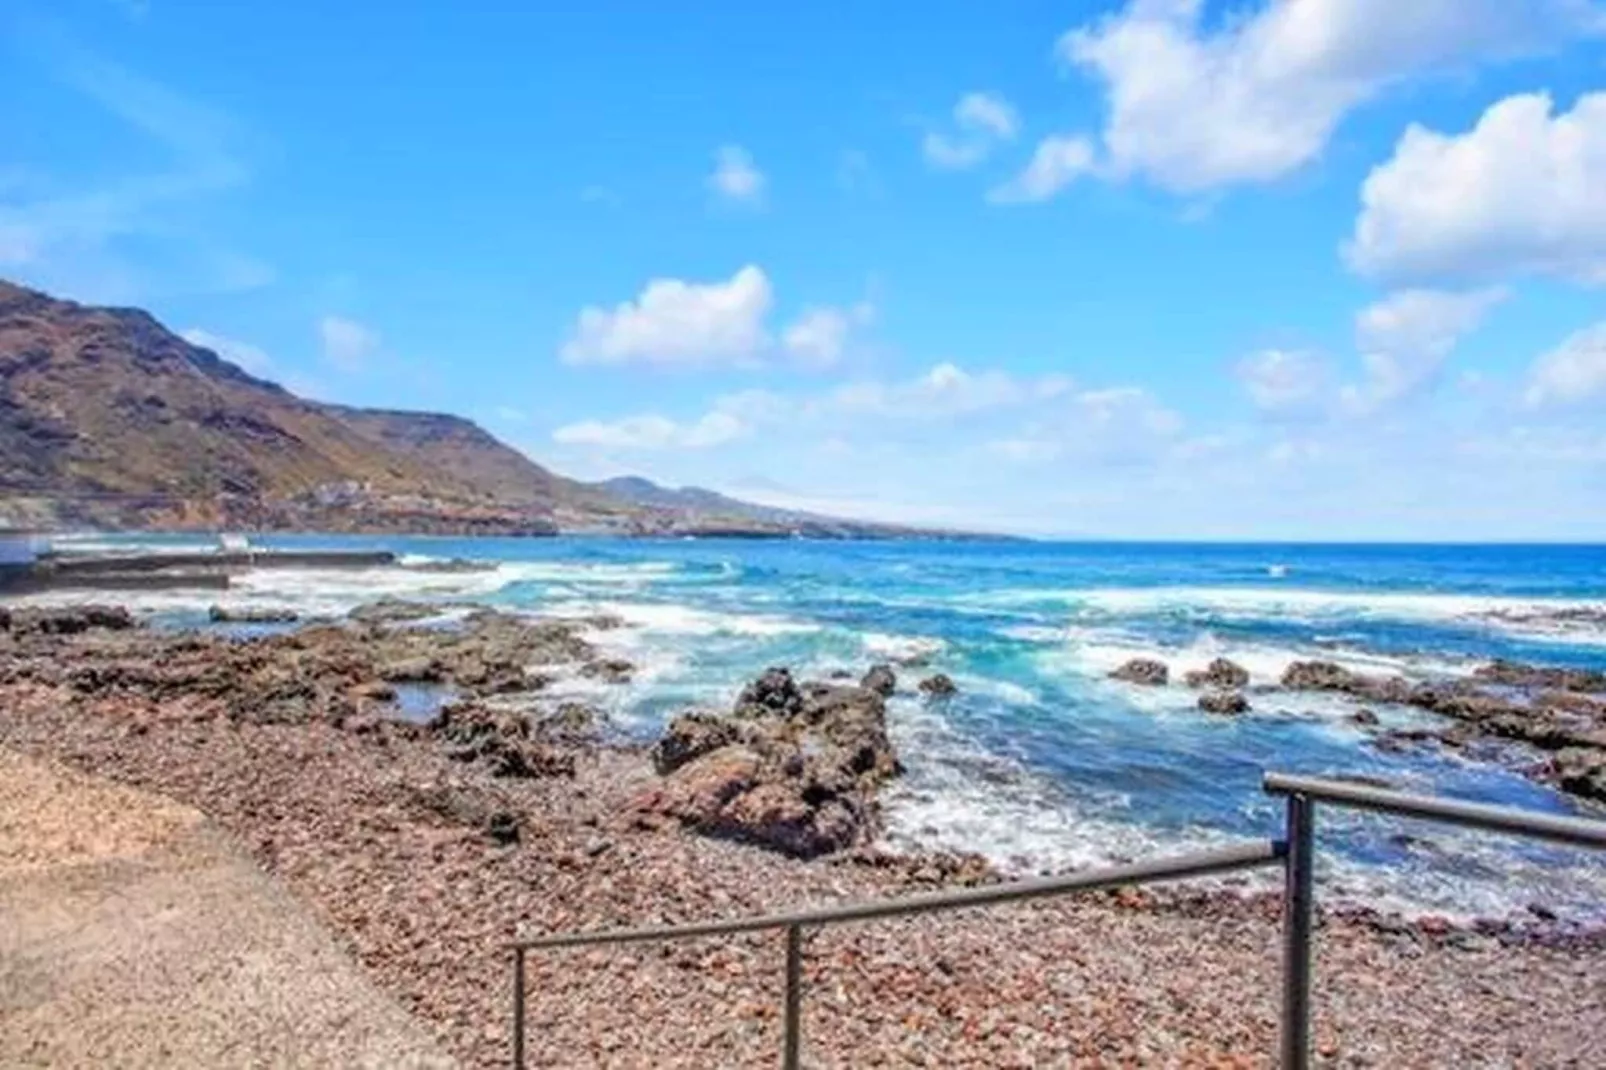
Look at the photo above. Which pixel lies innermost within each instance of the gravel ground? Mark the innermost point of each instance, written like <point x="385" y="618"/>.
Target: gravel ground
<point x="385" y="838"/>
<point x="137" y="936"/>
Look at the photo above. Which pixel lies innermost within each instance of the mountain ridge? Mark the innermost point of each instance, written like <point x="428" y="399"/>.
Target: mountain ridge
<point x="108" y="419"/>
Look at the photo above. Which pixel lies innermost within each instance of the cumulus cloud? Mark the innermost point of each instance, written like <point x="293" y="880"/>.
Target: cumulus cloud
<point x="674" y="323"/>
<point x="981" y="121"/>
<point x="1572" y="372"/>
<point x="1057" y="162"/>
<point x="1248" y="97"/>
<point x="347" y="344"/>
<point x="1283" y="380"/>
<point x="1519" y="193"/>
<point x="818" y="338"/>
<point x="247" y="356"/>
<point x="652" y="432"/>
<point x="735" y="177"/>
<point x="1405" y="339"/>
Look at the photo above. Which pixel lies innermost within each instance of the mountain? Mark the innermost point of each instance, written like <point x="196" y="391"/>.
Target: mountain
<point x="712" y="508"/>
<point x="108" y="419"/>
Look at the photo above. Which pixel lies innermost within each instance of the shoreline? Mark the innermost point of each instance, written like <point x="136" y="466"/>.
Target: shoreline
<point x="405" y="852"/>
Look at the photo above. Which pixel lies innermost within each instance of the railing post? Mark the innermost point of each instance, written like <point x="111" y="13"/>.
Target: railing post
<point x="518" y="1008"/>
<point x="1298" y="890"/>
<point x="794" y="998"/>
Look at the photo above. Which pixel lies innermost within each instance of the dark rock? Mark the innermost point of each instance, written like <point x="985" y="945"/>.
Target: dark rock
<point x="689" y="737"/>
<point x="249" y="615"/>
<point x="880" y="679"/>
<point x="1363" y="717"/>
<point x="1516" y="674"/>
<point x="613" y="670"/>
<point x="502" y="828"/>
<point x="1225" y="702"/>
<point x="1582" y="771"/>
<point x="72" y="621"/>
<point x="938" y="686"/>
<point x="572" y="723"/>
<point x="1220" y="673"/>
<point x="498" y="739"/>
<point x="774" y="692"/>
<point x="1143" y="671"/>
<point x="1317" y="676"/>
<point x="793" y="768"/>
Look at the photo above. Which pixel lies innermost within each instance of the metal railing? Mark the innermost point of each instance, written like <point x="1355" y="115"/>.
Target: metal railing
<point x="1296" y="852"/>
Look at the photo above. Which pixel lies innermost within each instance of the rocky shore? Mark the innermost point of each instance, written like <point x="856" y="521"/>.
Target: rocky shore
<point x="428" y="843"/>
<point x="1558" y="714"/>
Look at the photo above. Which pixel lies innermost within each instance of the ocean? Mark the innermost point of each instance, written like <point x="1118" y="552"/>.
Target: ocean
<point x="1042" y="762"/>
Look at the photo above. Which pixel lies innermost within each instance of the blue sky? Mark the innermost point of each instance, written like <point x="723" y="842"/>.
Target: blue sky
<point x="1150" y="268"/>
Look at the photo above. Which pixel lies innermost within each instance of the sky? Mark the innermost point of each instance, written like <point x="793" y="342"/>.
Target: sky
<point x="1158" y="269"/>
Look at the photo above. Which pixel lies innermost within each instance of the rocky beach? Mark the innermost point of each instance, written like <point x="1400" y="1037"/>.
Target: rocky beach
<point x="412" y="774"/>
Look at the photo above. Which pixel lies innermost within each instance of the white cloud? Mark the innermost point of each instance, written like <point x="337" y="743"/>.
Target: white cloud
<point x="1572" y="372"/>
<point x="1058" y="161"/>
<point x="674" y="323"/>
<point x="347" y="344"/>
<point x="1260" y="90"/>
<point x="247" y="356"/>
<point x="652" y="432"/>
<point x="945" y="390"/>
<point x="818" y="337"/>
<point x="987" y="113"/>
<point x="1405" y="338"/>
<point x="1282" y="380"/>
<point x="982" y="121"/>
<point x="1524" y="191"/>
<point x="735" y="176"/>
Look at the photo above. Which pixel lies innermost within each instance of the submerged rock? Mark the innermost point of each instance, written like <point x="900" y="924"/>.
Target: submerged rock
<point x="793" y="767"/>
<point x="1220" y="673"/>
<point x="1146" y="671"/>
<point x="938" y="686"/>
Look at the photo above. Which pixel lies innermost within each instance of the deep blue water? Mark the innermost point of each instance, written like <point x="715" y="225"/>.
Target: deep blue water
<point x="1041" y="761"/>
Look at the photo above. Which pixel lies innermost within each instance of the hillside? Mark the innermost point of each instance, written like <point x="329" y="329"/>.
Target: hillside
<point x="108" y="419"/>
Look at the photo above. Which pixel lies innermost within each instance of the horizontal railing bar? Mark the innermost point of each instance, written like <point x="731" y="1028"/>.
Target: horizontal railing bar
<point x="1556" y="828"/>
<point x="1196" y="864"/>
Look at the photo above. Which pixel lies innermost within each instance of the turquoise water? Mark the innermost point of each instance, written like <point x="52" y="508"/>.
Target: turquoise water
<point x="1040" y="761"/>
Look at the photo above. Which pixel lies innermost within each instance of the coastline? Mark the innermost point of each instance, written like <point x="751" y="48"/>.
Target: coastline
<point x="393" y="841"/>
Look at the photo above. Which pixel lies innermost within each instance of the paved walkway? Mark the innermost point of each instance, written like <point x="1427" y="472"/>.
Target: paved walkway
<point x="133" y="935"/>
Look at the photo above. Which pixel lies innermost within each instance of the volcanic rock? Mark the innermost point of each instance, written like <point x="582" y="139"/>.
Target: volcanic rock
<point x="1143" y="671"/>
<point x="880" y="679"/>
<point x="793" y="767"/>
<point x="249" y="615"/>
<point x="1221" y="701"/>
<point x="1220" y="673"/>
<point x="939" y="686"/>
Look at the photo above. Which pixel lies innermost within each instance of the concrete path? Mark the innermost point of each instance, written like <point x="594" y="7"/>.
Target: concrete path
<point x="133" y="935"/>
